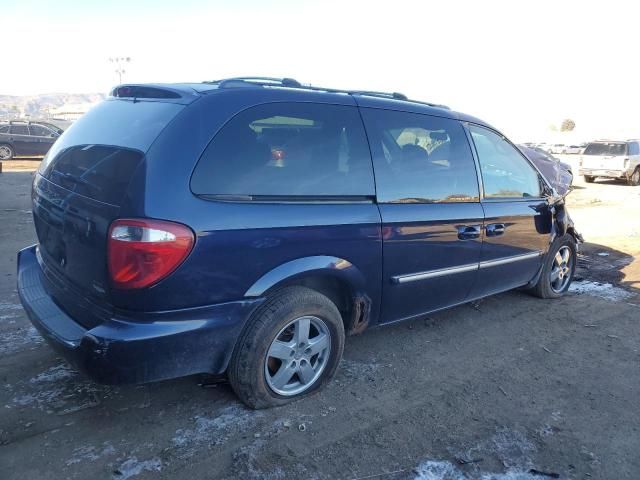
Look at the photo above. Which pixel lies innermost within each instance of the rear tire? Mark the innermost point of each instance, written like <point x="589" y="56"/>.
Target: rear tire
<point x="255" y="367"/>
<point x="6" y="152"/>
<point x="634" y="179"/>
<point x="589" y="178"/>
<point x="558" y="269"/>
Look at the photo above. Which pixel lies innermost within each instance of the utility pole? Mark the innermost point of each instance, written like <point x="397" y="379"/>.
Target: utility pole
<point x="119" y="63"/>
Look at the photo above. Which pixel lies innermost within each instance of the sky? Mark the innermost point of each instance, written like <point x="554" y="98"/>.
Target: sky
<point x="523" y="66"/>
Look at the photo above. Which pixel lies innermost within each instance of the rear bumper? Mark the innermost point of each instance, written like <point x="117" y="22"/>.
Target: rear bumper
<point x="595" y="172"/>
<point x="126" y="349"/>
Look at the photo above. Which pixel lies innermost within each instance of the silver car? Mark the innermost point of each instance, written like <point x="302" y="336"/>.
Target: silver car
<point x="611" y="159"/>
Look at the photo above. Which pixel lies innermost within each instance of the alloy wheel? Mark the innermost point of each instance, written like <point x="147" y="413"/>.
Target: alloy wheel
<point x="5" y="152"/>
<point x="297" y="356"/>
<point x="561" y="269"/>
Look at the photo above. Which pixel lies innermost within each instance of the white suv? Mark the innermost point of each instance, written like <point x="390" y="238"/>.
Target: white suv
<point x="611" y="159"/>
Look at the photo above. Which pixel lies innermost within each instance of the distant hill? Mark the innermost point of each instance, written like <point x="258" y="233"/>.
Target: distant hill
<point x="41" y="106"/>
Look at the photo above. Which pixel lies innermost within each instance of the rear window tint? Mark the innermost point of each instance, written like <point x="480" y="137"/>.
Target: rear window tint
<point x="121" y="123"/>
<point x="96" y="171"/>
<point x="288" y="149"/>
<point x="420" y="159"/>
<point x="606" y="149"/>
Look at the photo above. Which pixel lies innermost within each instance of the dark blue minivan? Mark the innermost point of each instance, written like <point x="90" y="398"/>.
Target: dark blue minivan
<point x="245" y="226"/>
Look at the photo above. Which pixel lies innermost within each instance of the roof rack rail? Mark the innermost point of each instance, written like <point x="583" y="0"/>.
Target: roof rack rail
<point x="293" y="83"/>
<point x="393" y="95"/>
<point x="250" y="81"/>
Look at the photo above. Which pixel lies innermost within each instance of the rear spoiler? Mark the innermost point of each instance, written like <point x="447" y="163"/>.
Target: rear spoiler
<point x="155" y="92"/>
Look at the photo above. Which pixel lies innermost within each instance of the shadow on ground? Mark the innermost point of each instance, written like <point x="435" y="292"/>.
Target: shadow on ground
<point x="599" y="263"/>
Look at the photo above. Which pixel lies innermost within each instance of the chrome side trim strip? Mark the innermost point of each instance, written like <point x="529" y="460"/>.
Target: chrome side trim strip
<point x="505" y="260"/>
<point x="412" y="277"/>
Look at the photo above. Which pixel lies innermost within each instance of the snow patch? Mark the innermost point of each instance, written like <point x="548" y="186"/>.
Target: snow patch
<point x="12" y="342"/>
<point x="512" y="475"/>
<point x="90" y="453"/>
<point x="438" y="470"/>
<point x="10" y="306"/>
<point x="40" y="399"/>
<point x="132" y="467"/>
<point x="601" y="290"/>
<point x="214" y="431"/>
<point x="60" y="390"/>
<point x="511" y="447"/>
<point x="443" y="470"/>
<point x="54" y="374"/>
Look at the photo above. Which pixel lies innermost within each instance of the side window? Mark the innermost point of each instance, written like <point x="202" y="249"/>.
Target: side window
<point x="419" y="158"/>
<point x="19" y="130"/>
<point x="4" y="129"/>
<point x="288" y="149"/>
<point x="634" y="148"/>
<point x="505" y="172"/>
<point x="39" y="131"/>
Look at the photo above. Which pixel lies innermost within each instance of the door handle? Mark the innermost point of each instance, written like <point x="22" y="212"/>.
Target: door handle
<point x="495" y="229"/>
<point x="468" y="232"/>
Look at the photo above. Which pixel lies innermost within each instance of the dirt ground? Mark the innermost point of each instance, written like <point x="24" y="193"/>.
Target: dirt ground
<point x="512" y="387"/>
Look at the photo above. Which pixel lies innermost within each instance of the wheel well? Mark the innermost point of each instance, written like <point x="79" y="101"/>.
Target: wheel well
<point x="354" y="308"/>
<point x="576" y="236"/>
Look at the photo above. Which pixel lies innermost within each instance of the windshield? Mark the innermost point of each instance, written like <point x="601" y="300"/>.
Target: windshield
<point x="606" y="149"/>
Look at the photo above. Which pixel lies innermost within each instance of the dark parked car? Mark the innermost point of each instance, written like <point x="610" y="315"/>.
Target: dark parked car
<point x="245" y="226"/>
<point x="26" y="139"/>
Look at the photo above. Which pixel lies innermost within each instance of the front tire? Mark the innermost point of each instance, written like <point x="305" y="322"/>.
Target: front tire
<point x="634" y="179"/>
<point x="558" y="269"/>
<point x="589" y="178"/>
<point x="6" y="152"/>
<point x="290" y="348"/>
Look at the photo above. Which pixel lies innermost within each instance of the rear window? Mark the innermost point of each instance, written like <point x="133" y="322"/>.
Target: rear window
<point x="120" y="123"/>
<point x="288" y="149"/>
<point x="602" y="148"/>
<point x="99" y="153"/>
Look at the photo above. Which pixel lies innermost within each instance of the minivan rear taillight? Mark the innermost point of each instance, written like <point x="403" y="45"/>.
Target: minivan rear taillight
<point x="142" y="252"/>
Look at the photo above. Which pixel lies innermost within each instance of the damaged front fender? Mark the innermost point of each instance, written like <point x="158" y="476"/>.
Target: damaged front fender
<point x="561" y="220"/>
